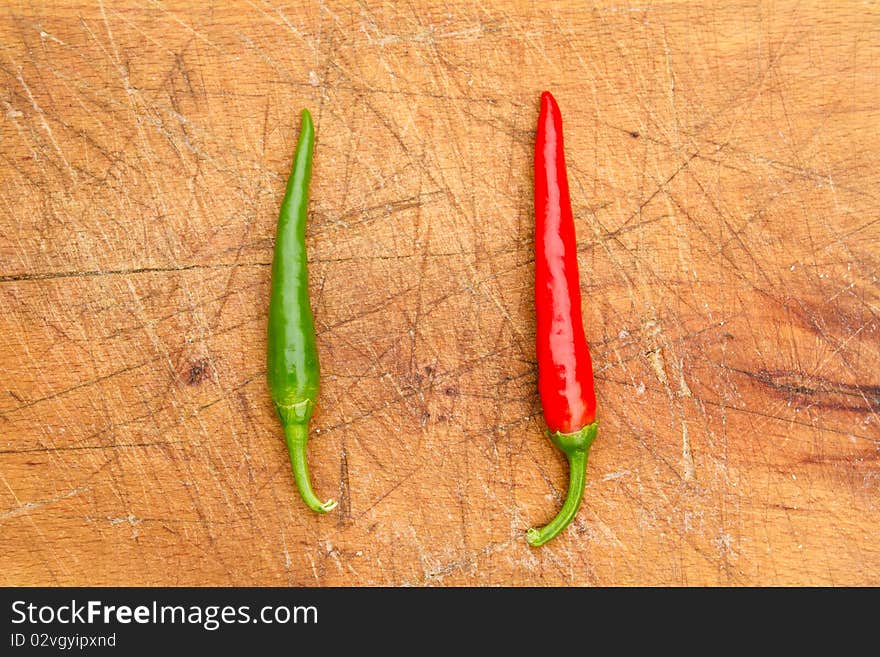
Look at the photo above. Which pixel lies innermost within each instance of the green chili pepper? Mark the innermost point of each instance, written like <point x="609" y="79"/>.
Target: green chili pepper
<point x="292" y="355"/>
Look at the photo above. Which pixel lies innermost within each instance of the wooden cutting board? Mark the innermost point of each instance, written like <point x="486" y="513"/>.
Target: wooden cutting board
<point x="724" y="173"/>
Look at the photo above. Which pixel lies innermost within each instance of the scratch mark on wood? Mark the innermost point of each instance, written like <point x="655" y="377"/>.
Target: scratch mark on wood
<point x="27" y="507"/>
<point x="11" y="278"/>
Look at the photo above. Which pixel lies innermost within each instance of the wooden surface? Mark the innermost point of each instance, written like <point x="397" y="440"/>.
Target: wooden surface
<point x="724" y="173"/>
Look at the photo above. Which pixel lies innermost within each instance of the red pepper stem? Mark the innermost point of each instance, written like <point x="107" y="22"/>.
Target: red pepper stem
<point x="297" y="435"/>
<point x="577" y="448"/>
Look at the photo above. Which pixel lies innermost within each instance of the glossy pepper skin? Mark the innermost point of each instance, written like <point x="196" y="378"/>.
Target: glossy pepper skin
<point x="565" y="370"/>
<point x="292" y="356"/>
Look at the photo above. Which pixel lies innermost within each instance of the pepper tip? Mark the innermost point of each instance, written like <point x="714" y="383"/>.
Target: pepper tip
<point x="533" y="536"/>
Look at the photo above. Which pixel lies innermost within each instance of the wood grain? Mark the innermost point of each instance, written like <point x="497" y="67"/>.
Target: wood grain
<point x="724" y="172"/>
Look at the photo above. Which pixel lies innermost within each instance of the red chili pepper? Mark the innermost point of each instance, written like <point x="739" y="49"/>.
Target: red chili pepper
<point x="565" y="371"/>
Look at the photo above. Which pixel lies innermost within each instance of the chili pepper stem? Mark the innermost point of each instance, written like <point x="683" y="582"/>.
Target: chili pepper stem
<point x="577" y="448"/>
<point x="297" y="435"/>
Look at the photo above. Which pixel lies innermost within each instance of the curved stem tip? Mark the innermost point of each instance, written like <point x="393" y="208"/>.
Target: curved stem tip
<point x="576" y="447"/>
<point x="297" y="435"/>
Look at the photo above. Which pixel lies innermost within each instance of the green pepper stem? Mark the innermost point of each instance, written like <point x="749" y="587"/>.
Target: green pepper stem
<point x="577" y="462"/>
<point x="576" y="447"/>
<point x="297" y="435"/>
